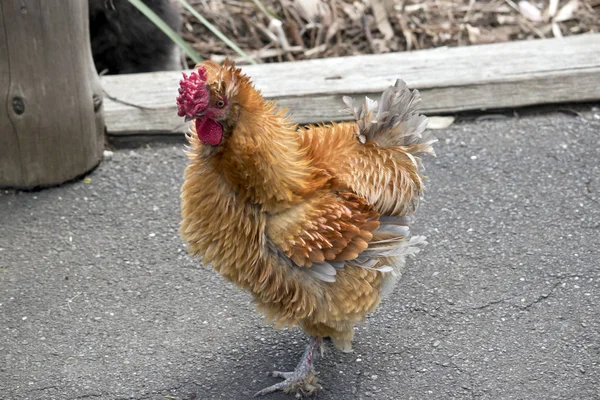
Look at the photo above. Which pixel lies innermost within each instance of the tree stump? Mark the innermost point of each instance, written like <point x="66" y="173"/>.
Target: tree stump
<point x="51" y="116"/>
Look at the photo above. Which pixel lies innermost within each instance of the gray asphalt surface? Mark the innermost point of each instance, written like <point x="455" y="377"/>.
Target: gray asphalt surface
<point x="98" y="299"/>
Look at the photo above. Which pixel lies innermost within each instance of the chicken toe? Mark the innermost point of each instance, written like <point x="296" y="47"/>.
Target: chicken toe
<point x="302" y="380"/>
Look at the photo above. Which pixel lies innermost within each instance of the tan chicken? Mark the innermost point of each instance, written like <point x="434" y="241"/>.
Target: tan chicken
<point x="313" y="221"/>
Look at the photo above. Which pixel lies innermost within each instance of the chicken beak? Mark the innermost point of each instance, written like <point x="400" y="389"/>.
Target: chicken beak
<point x="196" y="116"/>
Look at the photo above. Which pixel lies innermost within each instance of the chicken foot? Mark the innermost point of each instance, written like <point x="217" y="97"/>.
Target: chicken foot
<point x="301" y="380"/>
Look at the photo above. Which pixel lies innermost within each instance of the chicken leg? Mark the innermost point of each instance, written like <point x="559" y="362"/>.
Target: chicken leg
<point x="301" y="380"/>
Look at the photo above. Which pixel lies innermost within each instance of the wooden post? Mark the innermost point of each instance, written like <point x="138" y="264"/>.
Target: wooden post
<point x="51" y="114"/>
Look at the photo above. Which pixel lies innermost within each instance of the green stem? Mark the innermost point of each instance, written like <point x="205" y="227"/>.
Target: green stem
<point x="156" y="20"/>
<point x="217" y="32"/>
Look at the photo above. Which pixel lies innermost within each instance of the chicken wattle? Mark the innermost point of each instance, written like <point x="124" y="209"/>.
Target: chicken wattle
<point x="209" y="131"/>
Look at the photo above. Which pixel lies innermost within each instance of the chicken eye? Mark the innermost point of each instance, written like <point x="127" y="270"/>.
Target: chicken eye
<point x="220" y="104"/>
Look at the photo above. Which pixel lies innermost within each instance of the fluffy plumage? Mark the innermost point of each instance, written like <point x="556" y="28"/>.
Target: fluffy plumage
<point x="311" y="220"/>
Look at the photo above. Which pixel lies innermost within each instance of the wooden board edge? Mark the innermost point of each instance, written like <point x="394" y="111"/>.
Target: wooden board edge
<point x="554" y="88"/>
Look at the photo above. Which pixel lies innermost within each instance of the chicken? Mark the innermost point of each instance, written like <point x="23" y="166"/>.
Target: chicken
<point x="313" y="221"/>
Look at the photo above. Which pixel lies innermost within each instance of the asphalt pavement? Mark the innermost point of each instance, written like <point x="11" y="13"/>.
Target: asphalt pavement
<point x="98" y="299"/>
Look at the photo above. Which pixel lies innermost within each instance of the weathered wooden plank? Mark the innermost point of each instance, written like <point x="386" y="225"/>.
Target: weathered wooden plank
<point x="450" y="79"/>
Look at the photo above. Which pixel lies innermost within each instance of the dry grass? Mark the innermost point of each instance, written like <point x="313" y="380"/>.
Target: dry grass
<point x="286" y="30"/>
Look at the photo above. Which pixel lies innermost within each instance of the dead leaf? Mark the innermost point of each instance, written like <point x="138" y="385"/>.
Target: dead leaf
<point x="313" y="10"/>
<point x="530" y="11"/>
<point x="552" y="8"/>
<point x="408" y="34"/>
<point x="276" y="26"/>
<point x="506" y="19"/>
<point x="382" y="19"/>
<point x="352" y="12"/>
<point x="332" y="30"/>
<point x="439" y="122"/>
<point x="556" y="30"/>
<point x="381" y="46"/>
<point x="474" y="33"/>
<point x="567" y="12"/>
<point x="494" y="35"/>
<point x="411" y="8"/>
<point x="389" y="5"/>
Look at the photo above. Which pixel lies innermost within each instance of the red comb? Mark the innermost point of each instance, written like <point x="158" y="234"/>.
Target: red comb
<point x="193" y="93"/>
